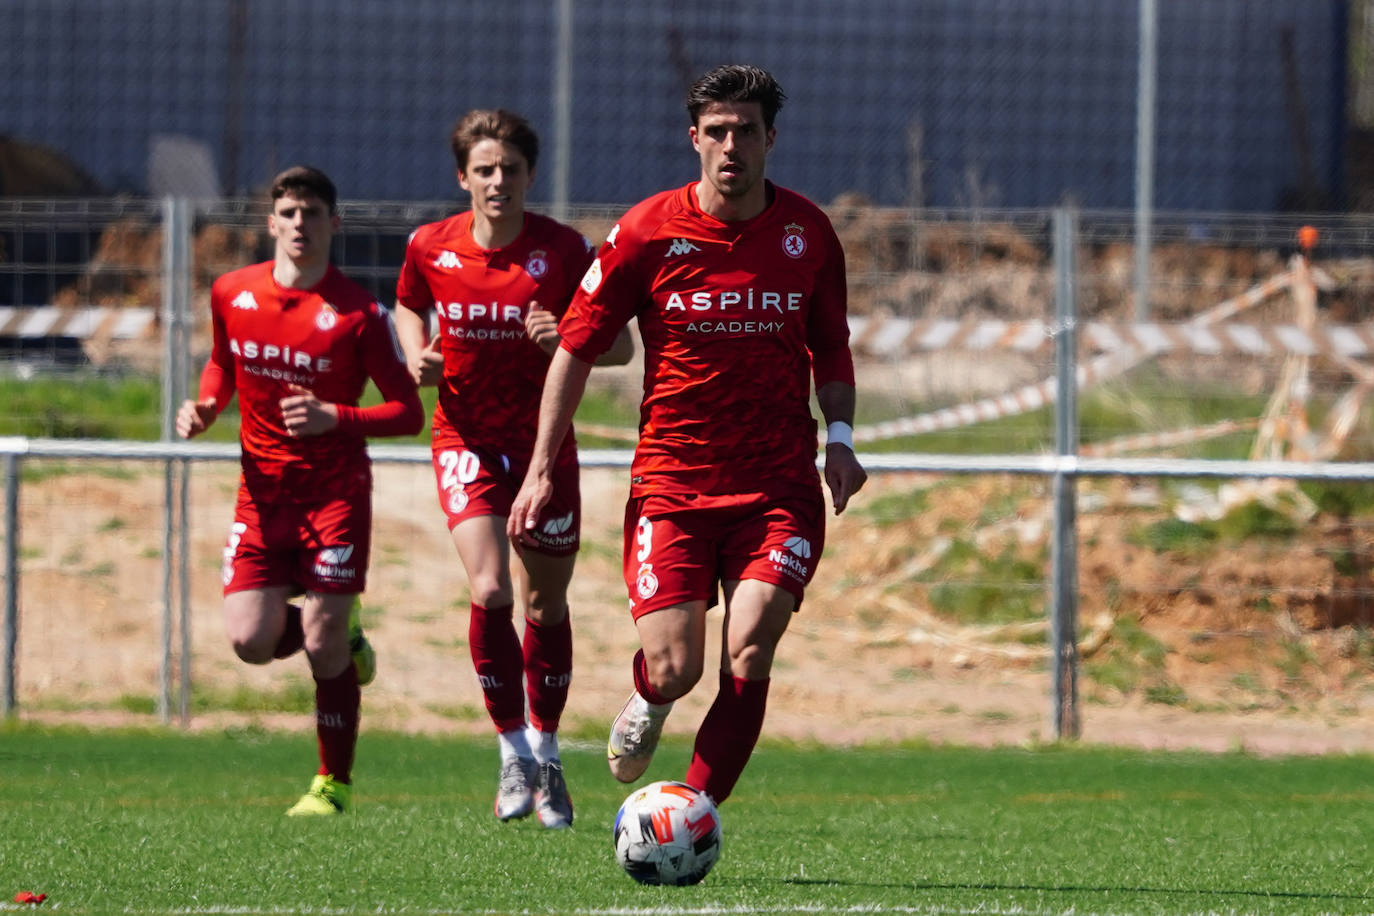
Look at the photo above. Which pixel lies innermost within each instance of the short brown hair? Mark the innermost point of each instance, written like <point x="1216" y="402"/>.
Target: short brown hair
<point x="300" y="180"/>
<point x="737" y="83"/>
<point x="493" y="124"/>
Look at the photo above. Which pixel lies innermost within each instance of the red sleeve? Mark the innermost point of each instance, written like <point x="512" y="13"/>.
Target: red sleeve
<point x="609" y="296"/>
<point x="580" y="255"/>
<point x="400" y="413"/>
<point x="216" y="383"/>
<point x="217" y="378"/>
<point x="827" y="332"/>
<point x="412" y="290"/>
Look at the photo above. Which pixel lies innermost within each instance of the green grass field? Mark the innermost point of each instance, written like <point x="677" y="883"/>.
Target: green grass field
<point x="155" y="822"/>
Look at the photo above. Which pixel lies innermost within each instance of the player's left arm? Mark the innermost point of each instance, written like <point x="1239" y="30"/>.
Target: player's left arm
<point x="832" y="365"/>
<point x="542" y="327"/>
<point x="541" y="324"/>
<point x="843" y="473"/>
<point x="400" y="413"/>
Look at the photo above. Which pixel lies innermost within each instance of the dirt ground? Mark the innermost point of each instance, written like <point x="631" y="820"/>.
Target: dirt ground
<point x="867" y="659"/>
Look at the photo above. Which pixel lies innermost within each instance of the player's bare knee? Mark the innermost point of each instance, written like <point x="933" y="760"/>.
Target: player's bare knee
<point x="674" y="678"/>
<point x="254" y="651"/>
<point x="752" y="662"/>
<point x="547" y="612"/>
<point x="491" y="594"/>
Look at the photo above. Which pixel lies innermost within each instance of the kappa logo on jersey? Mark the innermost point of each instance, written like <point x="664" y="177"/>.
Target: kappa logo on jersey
<point x="447" y="260"/>
<point x="610" y="239"/>
<point x="327" y="317"/>
<point x="558" y="525"/>
<point x="793" y="245"/>
<point x="680" y="247"/>
<point x="245" y="300"/>
<point x="537" y="265"/>
<point x="592" y="278"/>
<point x="646" y="583"/>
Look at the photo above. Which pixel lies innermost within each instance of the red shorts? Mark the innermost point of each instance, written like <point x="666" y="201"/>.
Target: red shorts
<point x="320" y="547"/>
<point x="676" y="552"/>
<point x="475" y="481"/>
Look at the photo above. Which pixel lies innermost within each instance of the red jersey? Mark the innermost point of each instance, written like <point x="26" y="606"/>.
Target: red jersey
<point x="493" y="372"/>
<point x="736" y="317"/>
<point x="330" y="339"/>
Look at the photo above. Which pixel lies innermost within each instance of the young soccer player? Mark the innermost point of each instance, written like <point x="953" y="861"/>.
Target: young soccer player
<point x="297" y="340"/>
<point x="738" y="287"/>
<point x="498" y="278"/>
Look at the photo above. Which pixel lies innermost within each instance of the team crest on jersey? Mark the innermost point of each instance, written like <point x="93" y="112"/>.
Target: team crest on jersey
<point x="793" y="244"/>
<point x="646" y="583"/>
<point x="327" y="317"/>
<point x="457" y="499"/>
<point x="537" y="265"/>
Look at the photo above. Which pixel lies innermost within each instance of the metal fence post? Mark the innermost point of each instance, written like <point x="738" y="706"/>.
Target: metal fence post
<point x="1145" y="155"/>
<point x="9" y="650"/>
<point x="1064" y="547"/>
<point x="184" y="595"/>
<point x="176" y="295"/>
<point x="562" y="109"/>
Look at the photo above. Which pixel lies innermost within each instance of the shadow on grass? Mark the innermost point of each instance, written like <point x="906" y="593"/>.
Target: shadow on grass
<point x="1072" y="889"/>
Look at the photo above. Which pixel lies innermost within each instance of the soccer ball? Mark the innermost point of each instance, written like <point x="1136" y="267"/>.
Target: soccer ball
<point x="667" y="833"/>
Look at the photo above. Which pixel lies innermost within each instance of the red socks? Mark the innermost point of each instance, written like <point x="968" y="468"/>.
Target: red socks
<point x="642" y="685"/>
<point x="336" y="722"/>
<point x="548" y="652"/>
<point x="727" y="736"/>
<point x="497" y="656"/>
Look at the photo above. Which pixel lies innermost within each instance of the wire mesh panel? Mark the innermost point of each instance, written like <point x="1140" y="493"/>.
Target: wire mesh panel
<point x="935" y="133"/>
<point x="941" y="103"/>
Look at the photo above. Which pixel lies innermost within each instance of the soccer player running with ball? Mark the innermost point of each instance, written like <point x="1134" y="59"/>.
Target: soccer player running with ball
<point x="738" y="286"/>
<point x="298" y="341"/>
<point x="499" y="278"/>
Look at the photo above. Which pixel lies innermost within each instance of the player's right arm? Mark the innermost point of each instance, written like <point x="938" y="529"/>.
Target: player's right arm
<point x="216" y="384"/>
<point x="423" y="358"/>
<point x="609" y="292"/>
<point x="563" y="388"/>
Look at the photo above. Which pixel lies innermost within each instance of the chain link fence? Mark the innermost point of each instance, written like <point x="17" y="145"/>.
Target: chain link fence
<point x="1217" y="594"/>
<point x="921" y="103"/>
<point x="936" y="134"/>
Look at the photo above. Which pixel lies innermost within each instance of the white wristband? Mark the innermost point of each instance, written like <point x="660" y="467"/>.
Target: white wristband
<point x="840" y="433"/>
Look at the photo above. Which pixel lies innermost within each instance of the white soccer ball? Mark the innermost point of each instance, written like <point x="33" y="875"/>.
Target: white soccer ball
<point x="667" y="833"/>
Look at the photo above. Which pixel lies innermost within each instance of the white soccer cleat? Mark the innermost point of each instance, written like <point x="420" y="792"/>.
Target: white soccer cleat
<point x="634" y="737"/>
<point x="515" y="792"/>
<point x="551" y="802"/>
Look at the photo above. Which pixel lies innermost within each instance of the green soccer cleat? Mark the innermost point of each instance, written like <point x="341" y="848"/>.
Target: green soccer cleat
<point x="325" y="798"/>
<point x="364" y="656"/>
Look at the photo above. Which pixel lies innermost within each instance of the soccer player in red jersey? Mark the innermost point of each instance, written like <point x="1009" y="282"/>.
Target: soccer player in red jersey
<point x="738" y="287"/>
<point x="298" y="341"/>
<point x="499" y="278"/>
